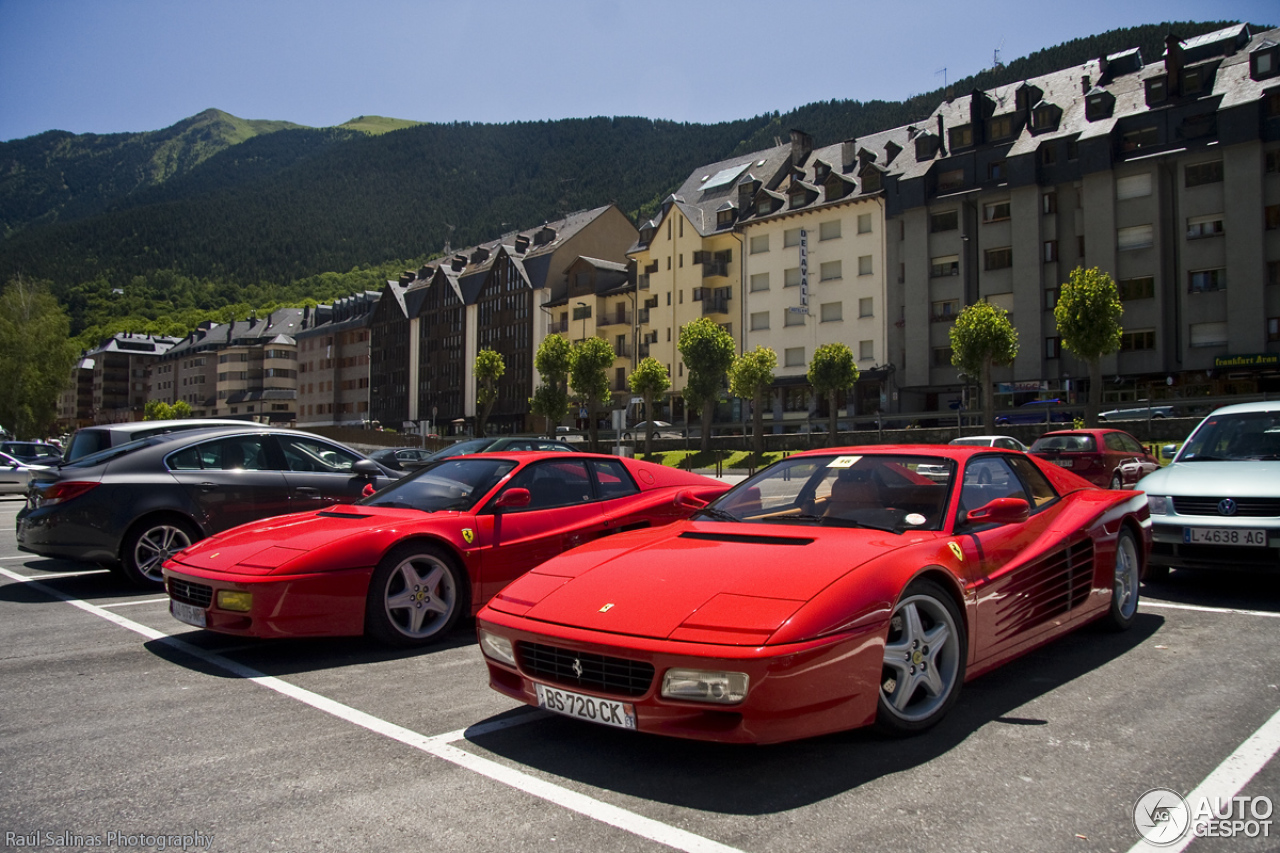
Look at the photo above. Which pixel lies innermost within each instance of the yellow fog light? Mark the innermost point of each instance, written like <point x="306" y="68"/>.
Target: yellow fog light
<point x="231" y="600"/>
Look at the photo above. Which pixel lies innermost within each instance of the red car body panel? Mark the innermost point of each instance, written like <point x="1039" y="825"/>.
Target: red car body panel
<point x="804" y="611"/>
<point x="309" y="572"/>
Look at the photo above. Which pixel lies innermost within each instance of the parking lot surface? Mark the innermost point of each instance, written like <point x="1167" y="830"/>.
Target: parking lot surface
<point x="121" y="724"/>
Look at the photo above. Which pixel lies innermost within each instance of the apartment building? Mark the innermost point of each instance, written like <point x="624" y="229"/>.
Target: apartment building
<point x="333" y="362"/>
<point x="600" y="300"/>
<point x="111" y="383"/>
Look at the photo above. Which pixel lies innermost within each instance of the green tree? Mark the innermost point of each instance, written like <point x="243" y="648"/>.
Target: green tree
<point x="982" y="337"/>
<point x="833" y="369"/>
<point x="181" y="409"/>
<point x="36" y="355"/>
<point x="649" y="380"/>
<point x="589" y="375"/>
<point x="707" y="351"/>
<point x="1088" y="316"/>
<point x="750" y="376"/>
<point x="550" y="403"/>
<point x="552" y="360"/>
<point x="157" y="410"/>
<point x="488" y="369"/>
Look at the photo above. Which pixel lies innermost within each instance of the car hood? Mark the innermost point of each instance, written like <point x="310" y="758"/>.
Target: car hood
<point x="694" y="581"/>
<point x="262" y="547"/>
<point x="1253" y="479"/>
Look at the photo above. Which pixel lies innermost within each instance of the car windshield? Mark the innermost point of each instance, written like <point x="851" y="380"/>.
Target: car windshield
<point x="450" y="484"/>
<point x="1064" y="443"/>
<point x="462" y="448"/>
<point x="893" y="492"/>
<point x="119" y="450"/>
<point x="1237" y="437"/>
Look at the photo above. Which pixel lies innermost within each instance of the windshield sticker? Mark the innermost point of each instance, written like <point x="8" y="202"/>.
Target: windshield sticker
<point x="844" y="462"/>
<point x="915" y="518"/>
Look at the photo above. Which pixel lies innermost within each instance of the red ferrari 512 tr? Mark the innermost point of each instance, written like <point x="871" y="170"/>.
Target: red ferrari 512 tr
<point x="835" y="589"/>
<point x="403" y="564"/>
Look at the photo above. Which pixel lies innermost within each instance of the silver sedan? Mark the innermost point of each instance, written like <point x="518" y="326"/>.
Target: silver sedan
<point x="15" y="475"/>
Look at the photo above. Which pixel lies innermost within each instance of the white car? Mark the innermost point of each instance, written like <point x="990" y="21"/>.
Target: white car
<point x="1005" y="441"/>
<point x="15" y="475"/>
<point x="1217" y="505"/>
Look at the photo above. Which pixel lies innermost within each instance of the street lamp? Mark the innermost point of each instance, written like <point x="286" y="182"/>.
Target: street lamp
<point x="583" y="313"/>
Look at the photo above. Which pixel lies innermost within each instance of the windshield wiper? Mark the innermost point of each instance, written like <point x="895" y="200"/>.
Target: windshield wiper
<point x="801" y="517"/>
<point x="718" y="514"/>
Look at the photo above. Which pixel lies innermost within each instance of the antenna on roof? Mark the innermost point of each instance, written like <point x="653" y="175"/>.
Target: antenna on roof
<point x="995" y="56"/>
<point x="943" y="72"/>
<point x="448" y="240"/>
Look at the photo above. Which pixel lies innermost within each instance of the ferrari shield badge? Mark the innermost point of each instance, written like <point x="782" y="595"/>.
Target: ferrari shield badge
<point x="469" y="535"/>
<point x="606" y="608"/>
<point x="955" y="549"/>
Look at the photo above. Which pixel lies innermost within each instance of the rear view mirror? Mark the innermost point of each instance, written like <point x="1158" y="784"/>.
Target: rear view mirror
<point x="513" y="499"/>
<point x="1001" y="511"/>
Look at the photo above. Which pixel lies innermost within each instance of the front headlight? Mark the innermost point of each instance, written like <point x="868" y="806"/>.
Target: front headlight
<point x="498" y="648"/>
<point x="241" y="602"/>
<point x="1158" y="504"/>
<point x="725" y="688"/>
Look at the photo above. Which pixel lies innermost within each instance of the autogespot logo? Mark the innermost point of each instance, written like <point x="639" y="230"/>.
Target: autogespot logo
<point x="1161" y="816"/>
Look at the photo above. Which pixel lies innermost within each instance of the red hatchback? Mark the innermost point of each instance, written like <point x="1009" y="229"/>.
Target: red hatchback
<point x="1109" y="458"/>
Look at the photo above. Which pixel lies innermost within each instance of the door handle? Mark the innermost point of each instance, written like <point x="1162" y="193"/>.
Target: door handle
<point x="208" y="487"/>
<point x="307" y="492"/>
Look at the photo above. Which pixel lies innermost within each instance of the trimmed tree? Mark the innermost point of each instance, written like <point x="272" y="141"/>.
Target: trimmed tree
<point x="1088" y="318"/>
<point x="750" y="376"/>
<point x="551" y="403"/>
<point x="551" y="399"/>
<point x="589" y="375"/>
<point x="36" y="355"/>
<point x="488" y="369"/>
<point x="833" y="369"/>
<point x="982" y="337"/>
<point x="707" y="352"/>
<point x="649" y="380"/>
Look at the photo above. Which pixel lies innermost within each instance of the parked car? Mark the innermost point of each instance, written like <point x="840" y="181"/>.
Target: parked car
<point x="1139" y="411"/>
<point x="134" y="505"/>
<point x="1005" y="441"/>
<point x="833" y="590"/>
<point x="1036" y="412"/>
<point x="404" y="564"/>
<point x="661" y="429"/>
<point x="401" y="459"/>
<point x="1108" y="458"/>
<point x="1217" y="504"/>
<point x="510" y="444"/>
<point x="15" y="475"/>
<point x="32" y="452"/>
<point x="91" y="439"/>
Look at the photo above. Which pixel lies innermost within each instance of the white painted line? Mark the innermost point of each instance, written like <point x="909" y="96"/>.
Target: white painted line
<point x="1229" y="778"/>
<point x="439" y="745"/>
<point x="1201" y="609"/>
<point x="55" y="575"/>
<point x="132" y="603"/>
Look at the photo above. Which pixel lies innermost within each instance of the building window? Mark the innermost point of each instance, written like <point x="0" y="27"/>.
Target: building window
<point x="1204" y="281"/>
<point x="1133" y="186"/>
<point x="999" y="259"/>
<point x="1142" y="287"/>
<point x="866" y="350"/>
<point x="830" y="271"/>
<point x="1192" y="80"/>
<point x="1048" y="154"/>
<point x="793" y="357"/>
<point x="1049" y="203"/>
<point x="1053" y="347"/>
<point x="995" y="171"/>
<point x="791" y="277"/>
<point x="864" y="223"/>
<point x="942" y="356"/>
<point x="1208" y="334"/>
<point x="759" y="321"/>
<point x="1271" y="104"/>
<point x="1000" y="127"/>
<point x="944" y="265"/>
<point x="961" y="137"/>
<point x="952" y="179"/>
<point x="832" y="312"/>
<point x="1139" y="139"/>
<point x="1273" y="273"/>
<point x="996" y="211"/>
<point x="1050" y="251"/>
<point x="1137" y="340"/>
<point x="1135" y="237"/>
<point x="1157" y="90"/>
<point x="1272" y="160"/>
<point x="1073" y="149"/>
<point x="1080" y="245"/>
<point x="759" y="244"/>
<point x="1262" y="63"/>
<point x="864" y="265"/>
<point x="946" y="220"/>
<point x="1199" y="174"/>
<point x="1273" y="329"/>
<point x="793" y="318"/>
<point x="944" y="310"/>
<point x="1271" y="216"/>
<point x="759" y="281"/>
<point x="866" y="306"/>
<point x="829" y="230"/>
<point x="790" y="237"/>
<point x="1204" y="226"/>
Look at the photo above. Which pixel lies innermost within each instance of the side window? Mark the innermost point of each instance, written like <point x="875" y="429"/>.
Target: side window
<point x="554" y="484"/>
<point x="1115" y="441"/>
<point x="613" y="479"/>
<point x="985" y="479"/>
<point x="1041" y="490"/>
<point x="239" y="453"/>
<point x="1130" y="444"/>
<point x="305" y="454"/>
<point x="186" y="459"/>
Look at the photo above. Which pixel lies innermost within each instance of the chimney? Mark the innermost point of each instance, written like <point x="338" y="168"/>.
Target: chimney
<point x="941" y="138"/>
<point x="801" y="145"/>
<point x="848" y="153"/>
<point x="1173" y="61"/>
<point x="1085" y="85"/>
<point x="522" y="244"/>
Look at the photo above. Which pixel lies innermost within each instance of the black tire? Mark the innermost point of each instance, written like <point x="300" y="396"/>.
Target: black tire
<point x="924" y="660"/>
<point x="1125" y="582"/>
<point x="1117" y="482"/>
<point x="416" y="595"/>
<point x="149" y="543"/>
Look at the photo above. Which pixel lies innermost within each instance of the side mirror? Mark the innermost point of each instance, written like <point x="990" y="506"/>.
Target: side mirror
<point x="1169" y="450"/>
<point x="367" y="490"/>
<point x="366" y="468"/>
<point x="513" y="499"/>
<point x="1001" y="511"/>
<point x="686" y="499"/>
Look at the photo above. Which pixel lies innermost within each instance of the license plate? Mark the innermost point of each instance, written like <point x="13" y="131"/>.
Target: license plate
<point x="606" y="711"/>
<point x="187" y="613"/>
<point x="1225" y="536"/>
<point x="1065" y="463"/>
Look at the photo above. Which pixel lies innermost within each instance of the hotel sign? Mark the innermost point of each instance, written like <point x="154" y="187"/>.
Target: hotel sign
<point x="1255" y="361"/>
<point x="804" y="268"/>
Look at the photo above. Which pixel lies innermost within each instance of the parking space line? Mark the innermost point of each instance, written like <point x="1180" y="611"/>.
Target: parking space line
<point x="132" y="603"/>
<point x="56" y="575"/>
<point x="1202" y="609"/>
<point x="440" y="746"/>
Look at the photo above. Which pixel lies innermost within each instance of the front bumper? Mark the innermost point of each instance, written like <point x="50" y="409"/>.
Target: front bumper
<point x="1168" y="547"/>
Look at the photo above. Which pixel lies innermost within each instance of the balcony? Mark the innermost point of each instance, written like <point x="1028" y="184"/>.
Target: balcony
<point x="622" y="350"/>
<point x="715" y="268"/>
<point x="615" y="318"/>
<point x="643" y="351"/>
<point x="642" y="282"/>
<point x="715" y="305"/>
<point x="642" y="316"/>
<point x="558" y="327"/>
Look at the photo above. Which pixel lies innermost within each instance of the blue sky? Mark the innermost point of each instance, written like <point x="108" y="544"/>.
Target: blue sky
<point x="104" y="66"/>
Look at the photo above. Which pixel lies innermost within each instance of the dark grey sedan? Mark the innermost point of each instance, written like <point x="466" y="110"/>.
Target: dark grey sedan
<point x="134" y="505"/>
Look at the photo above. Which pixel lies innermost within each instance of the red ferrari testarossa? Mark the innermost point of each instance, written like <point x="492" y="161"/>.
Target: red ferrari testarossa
<point x="835" y="589"/>
<point x="403" y="564"/>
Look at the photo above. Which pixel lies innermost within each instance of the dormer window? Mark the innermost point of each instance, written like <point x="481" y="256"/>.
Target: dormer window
<point x="961" y="137"/>
<point x="820" y="171"/>
<point x="1157" y="90"/>
<point x="1264" y="62"/>
<point x="725" y="215"/>
<point x="1193" y="80"/>
<point x="871" y="180"/>
<point x="1044" y="117"/>
<point x="1000" y="127"/>
<point x="1098" y="104"/>
<point x="926" y="146"/>
<point x="647" y="234"/>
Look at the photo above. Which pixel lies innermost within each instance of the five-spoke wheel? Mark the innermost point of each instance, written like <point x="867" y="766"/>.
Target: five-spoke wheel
<point x="924" y="660"/>
<point x="416" y="595"/>
<point x="1128" y="572"/>
<point x="148" y="545"/>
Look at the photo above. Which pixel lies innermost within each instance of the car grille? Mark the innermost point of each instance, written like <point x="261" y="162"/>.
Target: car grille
<point x="187" y="592"/>
<point x="1245" y="507"/>
<point x="617" y="676"/>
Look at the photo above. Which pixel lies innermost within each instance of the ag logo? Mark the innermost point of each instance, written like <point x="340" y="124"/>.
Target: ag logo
<point x="1161" y="816"/>
<point x="955" y="549"/>
<point x="469" y="535"/>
